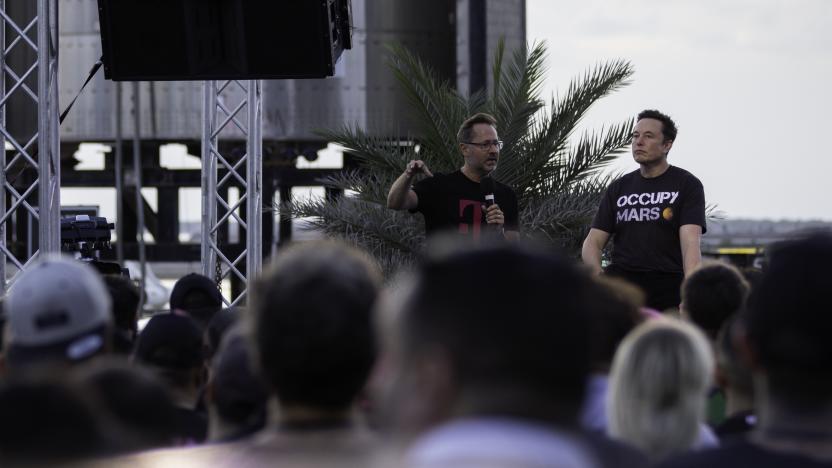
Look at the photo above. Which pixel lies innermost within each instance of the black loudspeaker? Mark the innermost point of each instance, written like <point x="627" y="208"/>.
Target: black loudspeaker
<point x="154" y="40"/>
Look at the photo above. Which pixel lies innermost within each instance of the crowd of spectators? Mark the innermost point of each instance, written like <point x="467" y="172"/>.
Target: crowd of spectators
<point x="489" y="356"/>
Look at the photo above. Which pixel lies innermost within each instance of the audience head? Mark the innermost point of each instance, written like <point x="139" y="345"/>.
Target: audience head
<point x="497" y="332"/>
<point x="46" y="420"/>
<point x="616" y="311"/>
<point x="171" y="346"/>
<point x="311" y="322"/>
<point x="198" y="297"/>
<point x="124" y="296"/>
<point x="58" y="311"/>
<point x="789" y="324"/>
<point x="237" y="397"/>
<point x="218" y="327"/>
<point x="711" y="294"/>
<point x="137" y="407"/>
<point x="733" y="373"/>
<point x="753" y="276"/>
<point x="658" y="386"/>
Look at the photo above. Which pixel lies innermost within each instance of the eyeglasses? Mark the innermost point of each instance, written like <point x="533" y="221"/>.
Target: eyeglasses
<point x="486" y="144"/>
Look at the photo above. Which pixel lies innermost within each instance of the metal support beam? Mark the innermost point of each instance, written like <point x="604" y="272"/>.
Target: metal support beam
<point x="228" y="104"/>
<point x="36" y="151"/>
<point x="49" y="151"/>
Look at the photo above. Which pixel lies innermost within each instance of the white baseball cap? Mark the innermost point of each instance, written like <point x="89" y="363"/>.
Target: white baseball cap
<point x="57" y="308"/>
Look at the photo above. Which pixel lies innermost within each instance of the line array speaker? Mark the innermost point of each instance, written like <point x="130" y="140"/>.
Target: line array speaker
<point x="144" y="40"/>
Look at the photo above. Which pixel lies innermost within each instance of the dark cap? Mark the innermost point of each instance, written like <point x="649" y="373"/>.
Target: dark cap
<point x="170" y="341"/>
<point x="210" y="297"/>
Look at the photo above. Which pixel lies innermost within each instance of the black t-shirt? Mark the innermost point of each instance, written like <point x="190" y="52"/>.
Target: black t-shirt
<point x="743" y="454"/>
<point x="644" y="217"/>
<point x="453" y="203"/>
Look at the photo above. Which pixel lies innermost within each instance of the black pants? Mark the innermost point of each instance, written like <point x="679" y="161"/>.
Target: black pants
<point x="663" y="290"/>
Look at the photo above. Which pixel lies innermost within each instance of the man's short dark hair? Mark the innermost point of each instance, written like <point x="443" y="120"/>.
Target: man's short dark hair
<point x="712" y="293"/>
<point x="789" y="324"/>
<point x="240" y="396"/>
<point x="509" y="320"/>
<point x="467" y="127"/>
<point x="668" y="125"/>
<point x="312" y="324"/>
<point x="172" y="346"/>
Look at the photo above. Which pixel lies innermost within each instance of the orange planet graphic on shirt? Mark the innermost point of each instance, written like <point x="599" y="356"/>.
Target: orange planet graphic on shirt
<point x="667" y="213"/>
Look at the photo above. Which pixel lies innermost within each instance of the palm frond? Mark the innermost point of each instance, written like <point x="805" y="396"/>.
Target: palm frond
<point x="585" y="90"/>
<point x="392" y="237"/>
<point x="373" y="152"/>
<point x="594" y="151"/>
<point x="437" y="108"/>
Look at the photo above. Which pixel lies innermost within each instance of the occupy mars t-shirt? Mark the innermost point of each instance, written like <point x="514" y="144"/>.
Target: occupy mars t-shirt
<point x="644" y="216"/>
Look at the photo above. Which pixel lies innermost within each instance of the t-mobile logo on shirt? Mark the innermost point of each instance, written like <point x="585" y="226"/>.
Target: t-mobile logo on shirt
<point x="476" y="217"/>
<point x="637" y="206"/>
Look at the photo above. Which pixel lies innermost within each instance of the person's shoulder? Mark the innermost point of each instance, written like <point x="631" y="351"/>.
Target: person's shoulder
<point x="677" y="171"/>
<point x="504" y="187"/>
<point x="436" y="179"/>
<point x="624" y="179"/>
<point x="632" y="175"/>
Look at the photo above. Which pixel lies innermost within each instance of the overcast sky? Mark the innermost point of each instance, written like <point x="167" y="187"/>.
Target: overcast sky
<point x="747" y="82"/>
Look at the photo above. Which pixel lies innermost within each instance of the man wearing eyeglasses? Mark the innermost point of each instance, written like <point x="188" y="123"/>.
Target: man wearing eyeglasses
<point x="655" y="216"/>
<point x="457" y="202"/>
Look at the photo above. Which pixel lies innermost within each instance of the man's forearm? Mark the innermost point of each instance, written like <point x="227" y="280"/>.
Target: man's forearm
<point x="592" y="258"/>
<point x="691" y="258"/>
<point x="690" y="237"/>
<point x="397" y="196"/>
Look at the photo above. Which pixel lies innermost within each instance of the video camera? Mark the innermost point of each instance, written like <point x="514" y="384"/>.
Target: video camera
<point x="87" y="235"/>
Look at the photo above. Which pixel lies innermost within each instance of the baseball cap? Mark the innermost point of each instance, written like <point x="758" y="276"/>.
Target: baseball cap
<point x="57" y="309"/>
<point x="208" y="302"/>
<point x="170" y="341"/>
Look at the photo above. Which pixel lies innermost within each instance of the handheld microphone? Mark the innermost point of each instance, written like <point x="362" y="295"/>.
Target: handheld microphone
<point x="487" y="188"/>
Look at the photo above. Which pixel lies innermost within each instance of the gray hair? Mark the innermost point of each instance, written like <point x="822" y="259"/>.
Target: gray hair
<point x="658" y="385"/>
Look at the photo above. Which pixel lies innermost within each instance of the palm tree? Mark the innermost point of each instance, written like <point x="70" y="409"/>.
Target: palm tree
<point x="554" y="173"/>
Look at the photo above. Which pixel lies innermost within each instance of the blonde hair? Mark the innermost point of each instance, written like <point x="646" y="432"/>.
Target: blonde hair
<point x="658" y="386"/>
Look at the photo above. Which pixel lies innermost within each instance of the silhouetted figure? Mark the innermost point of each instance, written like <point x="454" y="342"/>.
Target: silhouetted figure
<point x="171" y="347"/>
<point x="124" y="296"/>
<point x="488" y="362"/>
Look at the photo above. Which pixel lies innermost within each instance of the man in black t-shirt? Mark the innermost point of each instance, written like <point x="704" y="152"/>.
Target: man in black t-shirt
<point x="457" y="202"/>
<point x="655" y="215"/>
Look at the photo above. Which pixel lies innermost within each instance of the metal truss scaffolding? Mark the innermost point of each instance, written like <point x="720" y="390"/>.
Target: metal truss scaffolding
<point x="230" y="107"/>
<point x="30" y="177"/>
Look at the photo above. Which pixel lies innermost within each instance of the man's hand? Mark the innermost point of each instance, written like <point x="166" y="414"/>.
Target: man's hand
<point x="494" y="215"/>
<point x="415" y="167"/>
